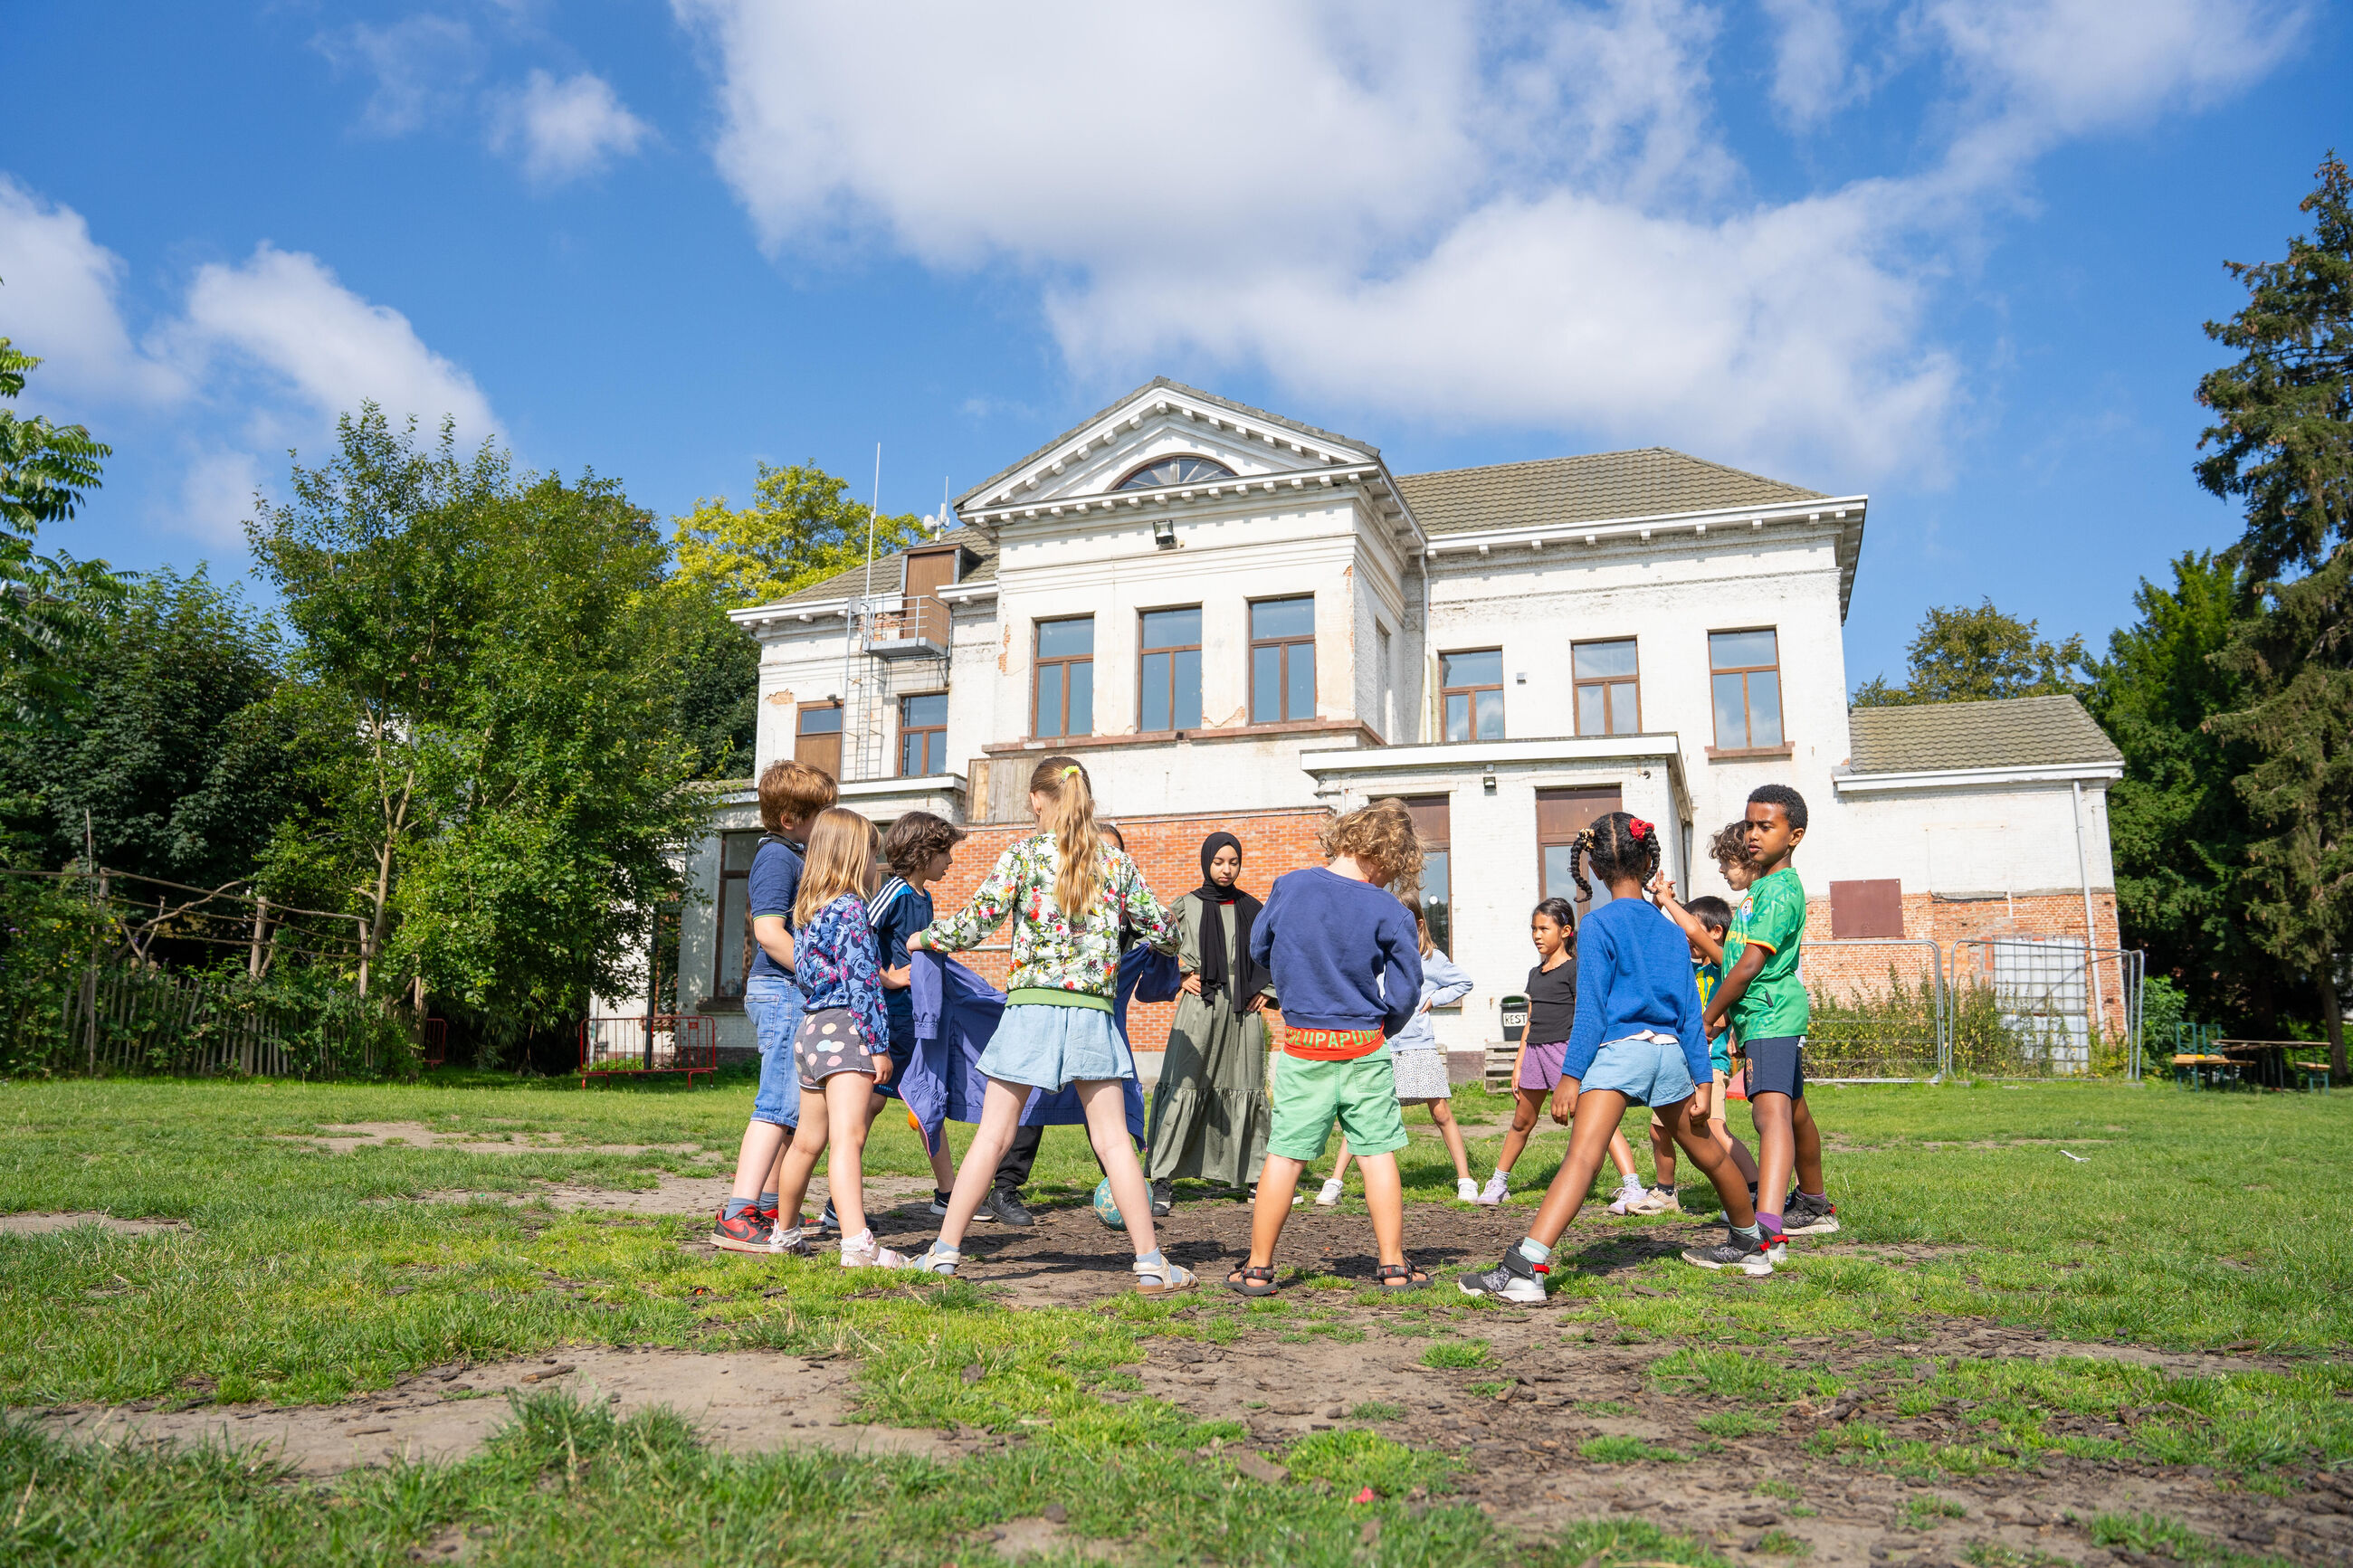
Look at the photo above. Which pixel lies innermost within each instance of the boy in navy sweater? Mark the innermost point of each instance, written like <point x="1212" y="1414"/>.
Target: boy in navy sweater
<point x="1346" y="963"/>
<point x="1637" y="1040"/>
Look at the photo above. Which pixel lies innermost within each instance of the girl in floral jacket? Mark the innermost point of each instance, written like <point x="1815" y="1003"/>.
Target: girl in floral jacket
<point x="843" y="1049"/>
<point x="1058" y="1028"/>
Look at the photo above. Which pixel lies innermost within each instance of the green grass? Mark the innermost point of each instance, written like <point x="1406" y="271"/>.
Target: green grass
<point x="1627" y="1451"/>
<point x="306" y="1277"/>
<point x="1929" y="1512"/>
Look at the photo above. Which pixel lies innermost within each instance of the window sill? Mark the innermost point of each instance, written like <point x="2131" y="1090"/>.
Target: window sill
<point x="1748" y="753"/>
<point x="720" y="1004"/>
<point x="1193" y="737"/>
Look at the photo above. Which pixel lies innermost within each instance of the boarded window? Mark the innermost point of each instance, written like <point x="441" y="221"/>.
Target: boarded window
<point x="1867" y="909"/>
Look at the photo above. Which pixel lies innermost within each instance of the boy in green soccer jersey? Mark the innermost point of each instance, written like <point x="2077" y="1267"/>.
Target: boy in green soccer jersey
<point x="1764" y="999"/>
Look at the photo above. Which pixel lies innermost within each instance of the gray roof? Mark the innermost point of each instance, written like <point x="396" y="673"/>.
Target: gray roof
<point x="2004" y="732"/>
<point x="889" y="572"/>
<point x="1652" y="481"/>
<point x="1256" y="416"/>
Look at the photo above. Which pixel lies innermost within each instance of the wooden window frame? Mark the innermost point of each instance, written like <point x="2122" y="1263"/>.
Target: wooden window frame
<point x="905" y="729"/>
<point x="1425" y="808"/>
<point x="1470" y="692"/>
<point x="1283" y="669"/>
<point x="1609" y="797"/>
<point x="839" y="732"/>
<point x="1747" y="746"/>
<point x="1037" y="663"/>
<point x="719" y="993"/>
<point x="1577" y="683"/>
<point x="1144" y="654"/>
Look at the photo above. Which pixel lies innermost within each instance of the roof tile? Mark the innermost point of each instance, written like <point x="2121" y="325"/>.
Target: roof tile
<point x="1652" y="481"/>
<point x="2003" y="733"/>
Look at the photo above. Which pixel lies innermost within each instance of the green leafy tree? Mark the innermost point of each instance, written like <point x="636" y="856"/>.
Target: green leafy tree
<point x="1967" y="654"/>
<point x="2177" y="826"/>
<point x="803" y="528"/>
<point x="2281" y="441"/>
<point x="486" y="694"/>
<point x="176" y="767"/>
<point x="49" y="605"/>
<point x="715" y="703"/>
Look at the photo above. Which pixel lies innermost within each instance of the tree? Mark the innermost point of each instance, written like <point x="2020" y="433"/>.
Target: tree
<point x="486" y="693"/>
<point x="804" y="528"/>
<point x="2282" y="440"/>
<point x="175" y="766"/>
<point x="1964" y="655"/>
<point x="49" y="605"/>
<point x="715" y="704"/>
<point x="2177" y="826"/>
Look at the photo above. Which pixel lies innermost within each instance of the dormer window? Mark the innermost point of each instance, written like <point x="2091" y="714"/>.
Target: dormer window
<point x="1184" y="471"/>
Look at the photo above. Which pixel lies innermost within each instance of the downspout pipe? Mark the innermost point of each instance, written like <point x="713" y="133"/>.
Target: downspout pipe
<point x="2091" y="931"/>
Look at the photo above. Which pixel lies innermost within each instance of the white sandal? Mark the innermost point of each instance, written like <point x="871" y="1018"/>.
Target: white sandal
<point x="940" y="1260"/>
<point x="1163" y="1278"/>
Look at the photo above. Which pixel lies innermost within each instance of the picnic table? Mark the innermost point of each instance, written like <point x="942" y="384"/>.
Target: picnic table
<point x="2268" y="1064"/>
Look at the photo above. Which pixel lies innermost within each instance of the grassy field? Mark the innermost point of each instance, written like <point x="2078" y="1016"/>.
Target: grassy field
<point x="2089" y="1213"/>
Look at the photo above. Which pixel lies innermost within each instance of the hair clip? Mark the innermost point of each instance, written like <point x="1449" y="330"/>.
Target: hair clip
<point x="1070" y="771"/>
<point x="1638" y="828"/>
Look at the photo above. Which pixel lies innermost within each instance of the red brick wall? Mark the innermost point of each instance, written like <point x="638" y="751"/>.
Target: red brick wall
<point x="1167" y="849"/>
<point x="1858" y="970"/>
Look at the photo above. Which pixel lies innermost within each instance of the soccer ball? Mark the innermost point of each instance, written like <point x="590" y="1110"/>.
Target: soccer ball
<point x="1106" y="1210"/>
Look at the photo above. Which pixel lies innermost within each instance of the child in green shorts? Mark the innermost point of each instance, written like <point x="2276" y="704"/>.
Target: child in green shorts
<point x="1347" y="962"/>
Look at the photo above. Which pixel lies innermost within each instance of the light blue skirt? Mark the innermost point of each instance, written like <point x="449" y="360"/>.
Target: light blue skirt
<point x="1050" y="1047"/>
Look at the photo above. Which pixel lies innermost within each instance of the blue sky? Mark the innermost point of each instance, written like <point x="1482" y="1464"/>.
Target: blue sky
<point x="1954" y="253"/>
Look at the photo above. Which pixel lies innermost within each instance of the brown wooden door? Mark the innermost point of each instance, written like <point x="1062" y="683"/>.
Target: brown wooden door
<point x="928" y="572"/>
<point x="1561" y="815"/>
<point x="818" y="741"/>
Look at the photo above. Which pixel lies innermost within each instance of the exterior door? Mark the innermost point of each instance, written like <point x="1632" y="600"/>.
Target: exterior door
<point x="929" y="571"/>
<point x="1561" y="815"/>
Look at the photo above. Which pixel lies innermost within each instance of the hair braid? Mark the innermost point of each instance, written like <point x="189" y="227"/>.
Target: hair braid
<point x="1617" y="851"/>
<point x="1578" y="853"/>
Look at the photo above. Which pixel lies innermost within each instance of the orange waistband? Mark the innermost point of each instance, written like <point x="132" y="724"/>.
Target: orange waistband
<point x="1331" y="1045"/>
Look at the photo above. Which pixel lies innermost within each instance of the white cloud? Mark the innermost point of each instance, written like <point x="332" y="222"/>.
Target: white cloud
<point x="1451" y="212"/>
<point x="59" y="298"/>
<point x="259" y="356"/>
<point x="284" y="313"/>
<point x="563" y="130"/>
<point x="422" y="66"/>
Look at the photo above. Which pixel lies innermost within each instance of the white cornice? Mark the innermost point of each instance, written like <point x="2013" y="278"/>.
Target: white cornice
<point x="1952" y="778"/>
<point x="1476" y="756"/>
<point x="1721" y="523"/>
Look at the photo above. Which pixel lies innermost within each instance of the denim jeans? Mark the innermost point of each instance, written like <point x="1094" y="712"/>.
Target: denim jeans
<point x="774" y="1008"/>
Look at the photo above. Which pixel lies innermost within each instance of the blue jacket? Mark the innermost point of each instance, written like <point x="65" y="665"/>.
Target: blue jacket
<point x="956" y="1013"/>
<point x="1633" y="972"/>
<point x="1343" y="953"/>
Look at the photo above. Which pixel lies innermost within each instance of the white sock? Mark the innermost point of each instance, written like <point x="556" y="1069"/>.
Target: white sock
<point x="858" y="1243"/>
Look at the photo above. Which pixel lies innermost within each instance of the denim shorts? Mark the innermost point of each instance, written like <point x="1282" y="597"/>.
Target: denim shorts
<point x="774" y="1009"/>
<point x="1050" y="1047"/>
<point x="1647" y="1072"/>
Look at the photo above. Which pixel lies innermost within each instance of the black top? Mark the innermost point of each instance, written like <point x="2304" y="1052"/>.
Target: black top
<point x="1552" y="1002"/>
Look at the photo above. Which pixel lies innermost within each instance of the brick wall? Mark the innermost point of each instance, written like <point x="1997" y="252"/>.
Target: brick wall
<point x="1167" y="849"/>
<point x="1861" y="970"/>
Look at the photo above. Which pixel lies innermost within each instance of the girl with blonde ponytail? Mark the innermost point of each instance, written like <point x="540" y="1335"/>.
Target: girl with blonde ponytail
<point x="1072" y="898"/>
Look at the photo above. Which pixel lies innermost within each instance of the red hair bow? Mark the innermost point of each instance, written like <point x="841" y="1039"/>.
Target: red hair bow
<point x="1638" y="828"/>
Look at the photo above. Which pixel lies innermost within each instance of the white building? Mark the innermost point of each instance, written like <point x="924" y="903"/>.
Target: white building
<point x="1239" y="619"/>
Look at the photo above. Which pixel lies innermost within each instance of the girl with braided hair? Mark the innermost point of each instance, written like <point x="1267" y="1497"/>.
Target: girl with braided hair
<point x="1637" y="1040"/>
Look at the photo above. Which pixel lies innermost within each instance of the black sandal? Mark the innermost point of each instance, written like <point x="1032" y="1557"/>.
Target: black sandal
<point x="1409" y="1278"/>
<point x="1246" y="1280"/>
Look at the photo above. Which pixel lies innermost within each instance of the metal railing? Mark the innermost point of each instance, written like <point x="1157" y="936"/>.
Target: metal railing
<point x="648" y="1043"/>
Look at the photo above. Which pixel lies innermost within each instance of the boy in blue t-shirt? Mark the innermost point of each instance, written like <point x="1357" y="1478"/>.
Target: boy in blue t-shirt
<point x="791" y="796"/>
<point x="920" y="849"/>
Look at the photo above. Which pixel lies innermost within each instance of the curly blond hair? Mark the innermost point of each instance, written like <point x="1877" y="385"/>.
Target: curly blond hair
<point x="1380" y="838"/>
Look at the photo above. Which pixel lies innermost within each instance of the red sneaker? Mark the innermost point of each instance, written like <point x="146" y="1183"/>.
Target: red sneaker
<point x="747" y="1232"/>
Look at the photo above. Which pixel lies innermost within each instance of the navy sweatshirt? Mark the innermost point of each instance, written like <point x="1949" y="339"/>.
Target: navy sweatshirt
<point x="1633" y="973"/>
<point x="1343" y="953"/>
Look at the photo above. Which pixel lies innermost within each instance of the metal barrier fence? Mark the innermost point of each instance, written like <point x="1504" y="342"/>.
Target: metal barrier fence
<point x="648" y="1043"/>
<point x="1908" y="1010"/>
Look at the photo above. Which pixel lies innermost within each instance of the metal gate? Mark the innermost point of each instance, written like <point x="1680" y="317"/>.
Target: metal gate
<point x="1878" y="1010"/>
<point x="2042" y="1008"/>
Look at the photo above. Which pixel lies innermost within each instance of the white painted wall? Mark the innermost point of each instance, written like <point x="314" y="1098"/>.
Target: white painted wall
<point x="2007" y="838"/>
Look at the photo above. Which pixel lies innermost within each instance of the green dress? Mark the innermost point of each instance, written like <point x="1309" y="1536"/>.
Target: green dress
<point x="1210" y="1109"/>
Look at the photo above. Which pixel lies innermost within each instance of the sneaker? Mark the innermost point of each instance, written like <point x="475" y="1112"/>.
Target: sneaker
<point x="1498" y="1188"/>
<point x="1777" y="1247"/>
<point x="940" y="1203"/>
<point x="1005" y="1208"/>
<point x="865" y="1252"/>
<point x="941" y="1260"/>
<point x="1658" y="1200"/>
<point x="1804" y="1216"/>
<point x="1330" y="1194"/>
<point x="747" y="1232"/>
<point x="789" y="1241"/>
<point x="1513" y="1280"/>
<point x="1628" y="1196"/>
<point x="829" y="1223"/>
<point x="1466" y="1190"/>
<point x="1163" y="1199"/>
<point x="1735" y="1251"/>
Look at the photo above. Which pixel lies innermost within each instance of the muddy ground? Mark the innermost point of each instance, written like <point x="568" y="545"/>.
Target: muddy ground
<point x="1563" y="1383"/>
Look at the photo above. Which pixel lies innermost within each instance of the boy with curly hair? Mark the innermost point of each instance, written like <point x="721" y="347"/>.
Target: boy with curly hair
<point x="1347" y="962"/>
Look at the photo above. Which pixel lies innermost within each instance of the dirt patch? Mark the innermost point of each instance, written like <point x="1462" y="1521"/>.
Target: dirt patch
<point x="343" y="1139"/>
<point x="43" y="1223"/>
<point x="744" y="1401"/>
<point x="1017" y="1539"/>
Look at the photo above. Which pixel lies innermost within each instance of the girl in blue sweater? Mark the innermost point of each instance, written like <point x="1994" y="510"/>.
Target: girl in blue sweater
<point x="1637" y="1040"/>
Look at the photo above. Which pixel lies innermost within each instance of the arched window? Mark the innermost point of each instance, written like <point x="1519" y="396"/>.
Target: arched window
<point x="1182" y="470"/>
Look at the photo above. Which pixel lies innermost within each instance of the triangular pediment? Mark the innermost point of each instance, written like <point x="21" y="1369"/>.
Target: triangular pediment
<point x="1160" y="421"/>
